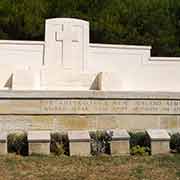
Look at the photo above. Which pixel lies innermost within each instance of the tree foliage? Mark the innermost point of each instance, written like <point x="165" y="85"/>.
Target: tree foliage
<point x="144" y="22"/>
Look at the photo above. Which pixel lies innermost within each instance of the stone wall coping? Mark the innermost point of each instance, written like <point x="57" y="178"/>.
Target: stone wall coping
<point x="22" y="42"/>
<point x="78" y="136"/>
<point x="158" y="134"/>
<point x="169" y="59"/>
<point x="39" y="136"/>
<point x="120" y="134"/>
<point x="89" y="94"/>
<point x="122" y="46"/>
<point x="67" y="20"/>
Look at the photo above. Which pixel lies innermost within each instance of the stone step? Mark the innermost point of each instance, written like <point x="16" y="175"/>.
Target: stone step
<point x="79" y="143"/>
<point x="120" y="142"/>
<point x="55" y="78"/>
<point x="160" y="140"/>
<point x="39" y="142"/>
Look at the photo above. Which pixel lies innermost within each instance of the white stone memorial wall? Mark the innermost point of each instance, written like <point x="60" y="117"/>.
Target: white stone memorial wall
<point x="67" y="55"/>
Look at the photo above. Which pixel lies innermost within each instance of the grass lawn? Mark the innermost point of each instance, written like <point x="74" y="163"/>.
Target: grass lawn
<point x="94" y="168"/>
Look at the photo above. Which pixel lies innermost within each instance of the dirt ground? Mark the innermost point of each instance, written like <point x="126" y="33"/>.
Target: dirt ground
<point x="92" y="168"/>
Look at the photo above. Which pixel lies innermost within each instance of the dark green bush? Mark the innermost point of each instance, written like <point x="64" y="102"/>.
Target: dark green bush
<point x="100" y="142"/>
<point x="17" y="143"/>
<point x="139" y="142"/>
<point x="175" y="142"/>
<point x="59" y="144"/>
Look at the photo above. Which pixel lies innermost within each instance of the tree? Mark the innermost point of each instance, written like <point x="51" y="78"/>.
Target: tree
<point x="149" y="22"/>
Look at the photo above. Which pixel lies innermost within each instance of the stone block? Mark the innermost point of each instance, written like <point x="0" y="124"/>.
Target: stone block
<point x="26" y="80"/>
<point x="67" y="42"/>
<point x="159" y="141"/>
<point x="55" y="78"/>
<point x="39" y="142"/>
<point x="79" y="143"/>
<point x="149" y="78"/>
<point x="3" y="143"/>
<point x="108" y="81"/>
<point x="5" y="77"/>
<point x="120" y="142"/>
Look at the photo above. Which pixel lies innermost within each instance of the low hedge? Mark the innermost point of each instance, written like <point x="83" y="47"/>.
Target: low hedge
<point x="175" y="142"/>
<point x="100" y="142"/>
<point x="18" y="143"/>
<point x="59" y="144"/>
<point x="139" y="143"/>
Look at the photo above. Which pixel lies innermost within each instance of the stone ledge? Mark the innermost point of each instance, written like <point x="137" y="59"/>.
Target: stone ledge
<point x="158" y="135"/>
<point x="120" y="135"/>
<point x="89" y="94"/>
<point x="39" y="136"/>
<point x="78" y="136"/>
<point x="134" y="47"/>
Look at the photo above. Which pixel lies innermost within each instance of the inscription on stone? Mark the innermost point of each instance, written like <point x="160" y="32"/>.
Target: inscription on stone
<point x="111" y="106"/>
<point x="89" y="106"/>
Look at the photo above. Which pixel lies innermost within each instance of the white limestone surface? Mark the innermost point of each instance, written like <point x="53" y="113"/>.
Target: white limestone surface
<point x="78" y="136"/>
<point x="56" y="78"/>
<point x="26" y="80"/>
<point x="39" y="136"/>
<point x="108" y="81"/>
<point x="120" y="134"/>
<point x="77" y="63"/>
<point x="22" y="53"/>
<point x="3" y="137"/>
<point x="66" y="42"/>
<point x="158" y="134"/>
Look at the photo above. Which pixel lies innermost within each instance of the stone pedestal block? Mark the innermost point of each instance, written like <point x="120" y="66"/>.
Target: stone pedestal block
<point x="39" y="142"/>
<point x="159" y="141"/>
<point x="108" y="81"/>
<point x="79" y="143"/>
<point x="3" y="143"/>
<point x="120" y="142"/>
<point x="55" y="78"/>
<point x="26" y="79"/>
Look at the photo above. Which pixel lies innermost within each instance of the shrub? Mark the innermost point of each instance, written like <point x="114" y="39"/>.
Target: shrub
<point x="139" y="142"/>
<point x="139" y="138"/>
<point x="138" y="150"/>
<point x="59" y="144"/>
<point x="17" y="143"/>
<point x="175" y="142"/>
<point x="100" y="142"/>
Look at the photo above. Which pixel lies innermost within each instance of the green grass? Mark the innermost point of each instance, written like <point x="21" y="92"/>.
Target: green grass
<point x="91" y="168"/>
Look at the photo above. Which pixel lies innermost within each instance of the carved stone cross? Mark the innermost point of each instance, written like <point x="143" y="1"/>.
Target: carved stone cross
<point x="67" y="43"/>
<point x="67" y="36"/>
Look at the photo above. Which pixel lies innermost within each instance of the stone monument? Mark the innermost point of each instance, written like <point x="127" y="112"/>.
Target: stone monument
<point x="38" y="142"/>
<point x="120" y="142"/>
<point x="66" y="83"/>
<point x="79" y="143"/>
<point x="160" y="141"/>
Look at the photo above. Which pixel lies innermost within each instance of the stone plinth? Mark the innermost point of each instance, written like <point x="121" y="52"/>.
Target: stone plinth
<point x="54" y="78"/>
<point x="3" y="143"/>
<point x="159" y="141"/>
<point x="39" y="142"/>
<point x="120" y="142"/>
<point x="25" y="80"/>
<point x="109" y="81"/>
<point x="79" y="143"/>
<point x="88" y="110"/>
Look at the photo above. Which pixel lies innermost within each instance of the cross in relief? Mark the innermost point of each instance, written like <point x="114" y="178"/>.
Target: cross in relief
<point x="66" y="36"/>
